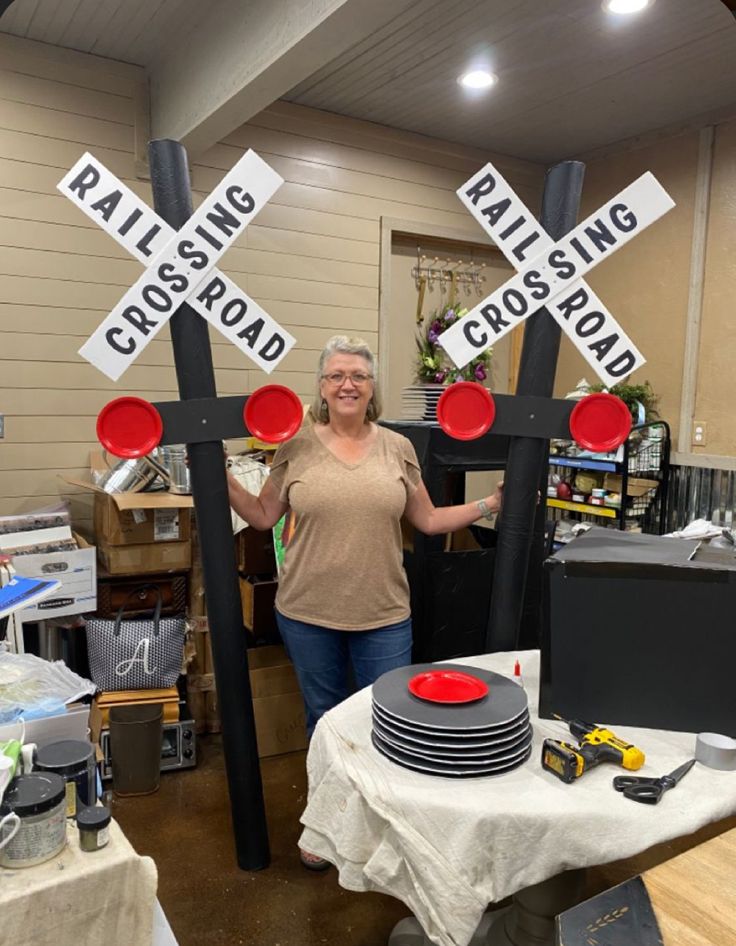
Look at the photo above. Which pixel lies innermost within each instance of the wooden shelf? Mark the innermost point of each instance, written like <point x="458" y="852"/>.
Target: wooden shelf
<point x="608" y="512"/>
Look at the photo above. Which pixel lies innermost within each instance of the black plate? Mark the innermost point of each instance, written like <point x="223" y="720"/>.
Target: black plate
<point x="427" y="768"/>
<point x="455" y="753"/>
<point x="504" y="702"/>
<point x="491" y="732"/>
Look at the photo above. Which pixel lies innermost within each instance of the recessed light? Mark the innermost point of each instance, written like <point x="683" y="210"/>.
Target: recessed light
<point x="623" y="7"/>
<point x="478" y="79"/>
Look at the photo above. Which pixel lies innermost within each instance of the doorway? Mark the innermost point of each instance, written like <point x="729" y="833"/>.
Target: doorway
<point x="425" y="274"/>
<point x="407" y="309"/>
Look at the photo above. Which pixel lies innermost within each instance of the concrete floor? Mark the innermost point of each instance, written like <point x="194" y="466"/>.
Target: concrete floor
<point x="208" y="900"/>
<point x="185" y="828"/>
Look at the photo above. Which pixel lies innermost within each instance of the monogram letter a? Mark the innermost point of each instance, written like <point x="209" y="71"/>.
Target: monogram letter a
<point x="125" y="666"/>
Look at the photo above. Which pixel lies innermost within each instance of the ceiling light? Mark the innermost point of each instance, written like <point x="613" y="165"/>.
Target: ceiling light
<point x="623" y="7"/>
<point x="478" y="79"/>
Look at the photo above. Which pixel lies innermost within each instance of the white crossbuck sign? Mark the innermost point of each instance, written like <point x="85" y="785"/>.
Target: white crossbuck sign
<point x="549" y="274"/>
<point x="180" y="264"/>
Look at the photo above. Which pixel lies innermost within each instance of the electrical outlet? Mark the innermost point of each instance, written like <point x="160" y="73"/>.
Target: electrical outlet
<point x="700" y="433"/>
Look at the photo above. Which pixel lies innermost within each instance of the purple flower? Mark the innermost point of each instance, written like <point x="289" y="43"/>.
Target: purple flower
<point x="436" y="326"/>
<point x="432" y="336"/>
<point x="440" y="377"/>
<point x="450" y="315"/>
<point x="480" y="373"/>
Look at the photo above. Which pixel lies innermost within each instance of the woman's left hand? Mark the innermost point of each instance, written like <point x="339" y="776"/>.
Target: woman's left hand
<point x="495" y="500"/>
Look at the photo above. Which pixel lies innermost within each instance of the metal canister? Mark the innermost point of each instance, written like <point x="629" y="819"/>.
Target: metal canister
<point x="74" y="761"/>
<point x="174" y="458"/>
<point x="128" y="476"/>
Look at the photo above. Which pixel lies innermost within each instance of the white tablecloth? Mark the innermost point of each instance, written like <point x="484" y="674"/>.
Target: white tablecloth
<point x="449" y="847"/>
<point x="78" y="898"/>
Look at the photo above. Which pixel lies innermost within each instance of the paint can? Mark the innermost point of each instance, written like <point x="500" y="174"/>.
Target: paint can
<point x="39" y="801"/>
<point x="74" y="761"/>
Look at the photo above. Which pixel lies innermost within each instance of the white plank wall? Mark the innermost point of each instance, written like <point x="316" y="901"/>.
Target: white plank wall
<point x="311" y="258"/>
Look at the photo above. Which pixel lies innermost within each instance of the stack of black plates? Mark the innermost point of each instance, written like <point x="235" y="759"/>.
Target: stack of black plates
<point x="452" y="720"/>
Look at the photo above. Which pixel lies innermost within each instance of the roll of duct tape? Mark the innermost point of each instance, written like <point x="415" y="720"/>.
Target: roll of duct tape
<point x="716" y="751"/>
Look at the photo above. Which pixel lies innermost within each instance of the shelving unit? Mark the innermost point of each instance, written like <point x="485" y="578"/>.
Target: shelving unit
<point x="646" y="456"/>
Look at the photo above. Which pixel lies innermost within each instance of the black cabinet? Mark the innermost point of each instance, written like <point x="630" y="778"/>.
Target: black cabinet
<point x="450" y="589"/>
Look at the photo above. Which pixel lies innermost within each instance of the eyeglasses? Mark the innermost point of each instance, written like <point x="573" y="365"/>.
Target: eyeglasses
<point x="337" y="378"/>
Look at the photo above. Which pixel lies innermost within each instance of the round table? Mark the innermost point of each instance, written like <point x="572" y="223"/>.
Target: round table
<point x="450" y="847"/>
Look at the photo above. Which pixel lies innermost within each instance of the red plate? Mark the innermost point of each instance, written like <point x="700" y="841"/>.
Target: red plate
<point x="600" y="422"/>
<point x="466" y="410"/>
<point x="447" y="686"/>
<point x="129" y="427"/>
<point x="273" y="413"/>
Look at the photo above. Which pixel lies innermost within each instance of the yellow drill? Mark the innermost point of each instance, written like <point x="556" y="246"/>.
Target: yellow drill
<point x="595" y="744"/>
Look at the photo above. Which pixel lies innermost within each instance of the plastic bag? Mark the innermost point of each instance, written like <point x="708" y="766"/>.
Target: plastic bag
<point x="32" y="687"/>
<point x="251" y="474"/>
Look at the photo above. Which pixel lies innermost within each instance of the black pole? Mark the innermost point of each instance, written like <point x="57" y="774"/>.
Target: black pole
<point x="528" y="455"/>
<point x="196" y="379"/>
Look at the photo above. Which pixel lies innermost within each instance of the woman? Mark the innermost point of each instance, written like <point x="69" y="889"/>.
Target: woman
<point x="343" y="595"/>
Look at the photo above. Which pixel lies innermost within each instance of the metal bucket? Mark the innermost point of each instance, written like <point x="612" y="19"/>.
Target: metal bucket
<point x="128" y="476"/>
<point x="174" y="457"/>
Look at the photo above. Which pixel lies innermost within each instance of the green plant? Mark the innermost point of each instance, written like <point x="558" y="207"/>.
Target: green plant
<point x="433" y="365"/>
<point x="632" y="395"/>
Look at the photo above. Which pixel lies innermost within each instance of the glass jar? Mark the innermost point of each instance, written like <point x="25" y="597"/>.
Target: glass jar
<point x="94" y="827"/>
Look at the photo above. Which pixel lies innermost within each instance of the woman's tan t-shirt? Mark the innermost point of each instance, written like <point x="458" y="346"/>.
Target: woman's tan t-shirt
<point x="343" y="564"/>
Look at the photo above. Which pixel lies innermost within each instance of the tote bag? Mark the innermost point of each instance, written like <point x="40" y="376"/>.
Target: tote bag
<point x="136" y="653"/>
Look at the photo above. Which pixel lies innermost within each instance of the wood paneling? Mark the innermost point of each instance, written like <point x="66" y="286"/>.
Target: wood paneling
<point x="49" y="124"/>
<point x="311" y="258"/>
<point x="649" y="286"/>
<point x="714" y="394"/>
<point x="50" y="93"/>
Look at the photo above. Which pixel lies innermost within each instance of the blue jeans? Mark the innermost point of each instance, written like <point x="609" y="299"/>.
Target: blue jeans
<point x="321" y="657"/>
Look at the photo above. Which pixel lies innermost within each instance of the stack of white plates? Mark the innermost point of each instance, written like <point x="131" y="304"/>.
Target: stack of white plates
<point x="419" y="401"/>
<point x="451" y="720"/>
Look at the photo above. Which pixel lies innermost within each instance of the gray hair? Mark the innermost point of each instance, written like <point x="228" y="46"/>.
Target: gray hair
<point x="342" y="345"/>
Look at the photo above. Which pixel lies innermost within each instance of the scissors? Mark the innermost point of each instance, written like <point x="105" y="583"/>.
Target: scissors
<point x="650" y="790"/>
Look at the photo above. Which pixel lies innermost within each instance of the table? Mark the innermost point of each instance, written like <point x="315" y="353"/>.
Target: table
<point x="88" y="899"/>
<point x="691" y="897"/>
<point x="448" y="848"/>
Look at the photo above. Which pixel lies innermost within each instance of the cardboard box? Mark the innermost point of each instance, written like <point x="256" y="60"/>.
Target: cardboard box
<point x="278" y="707"/>
<point x="635" y="486"/>
<point x="145" y="559"/>
<point x="277" y="702"/>
<point x="138" y="518"/>
<point x="257" y="595"/>
<point x="461" y="541"/>
<point x="77" y="572"/>
<point x="135" y="518"/>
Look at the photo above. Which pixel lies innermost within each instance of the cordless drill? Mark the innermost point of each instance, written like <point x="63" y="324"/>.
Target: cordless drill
<point x="595" y="745"/>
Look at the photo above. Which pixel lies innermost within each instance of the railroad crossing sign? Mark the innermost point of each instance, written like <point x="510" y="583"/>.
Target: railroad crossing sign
<point x="180" y="264"/>
<point x="549" y="274"/>
<point x="180" y="254"/>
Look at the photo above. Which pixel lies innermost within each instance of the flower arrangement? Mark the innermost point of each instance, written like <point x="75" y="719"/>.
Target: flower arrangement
<point x="433" y="365"/>
<point x="632" y="395"/>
